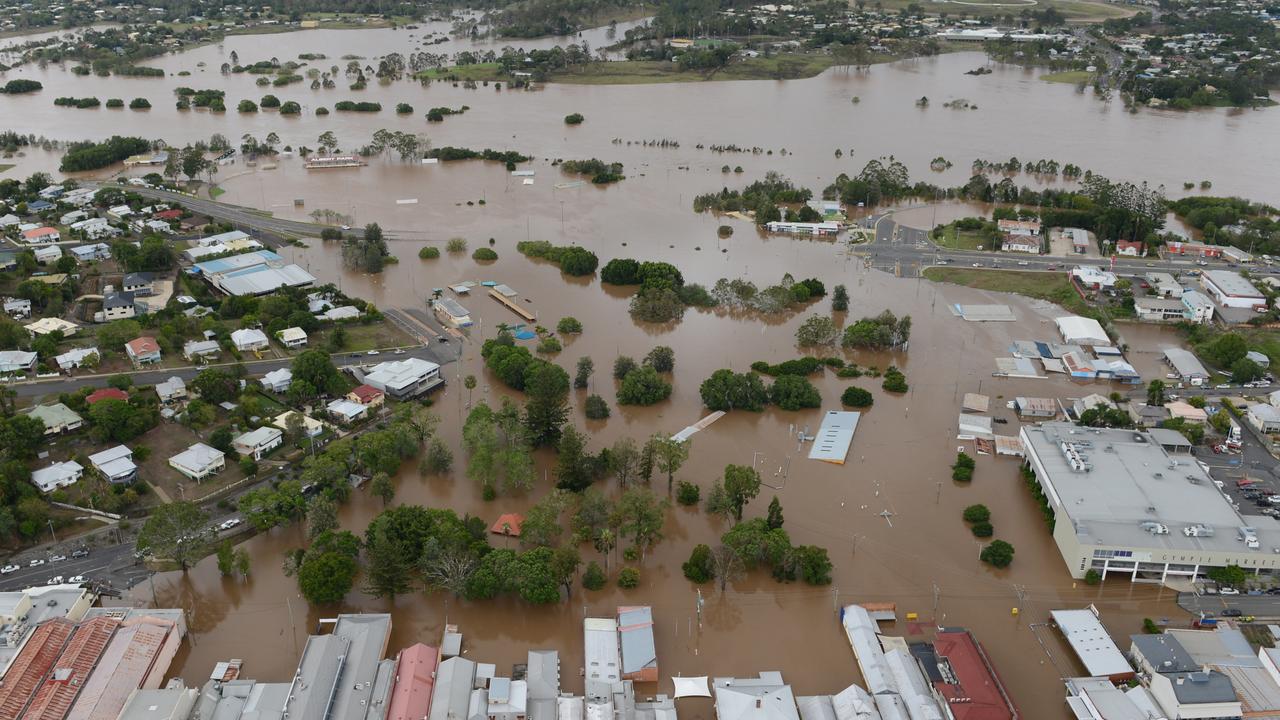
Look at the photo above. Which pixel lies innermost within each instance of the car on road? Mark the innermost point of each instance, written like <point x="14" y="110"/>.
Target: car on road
<point x="977" y="264"/>
<point x="57" y="558"/>
<point x="1051" y="267"/>
<point x="1232" y="612"/>
<point x="35" y="563"/>
<point x="79" y="553"/>
<point x="399" y="351"/>
<point x="372" y="352"/>
<point x="55" y="580"/>
<point x="9" y="568"/>
<point x="1228" y="591"/>
<point x="228" y="524"/>
<point x="76" y="579"/>
<point x="346" y="227"/>
<point x="1023" y="263"/>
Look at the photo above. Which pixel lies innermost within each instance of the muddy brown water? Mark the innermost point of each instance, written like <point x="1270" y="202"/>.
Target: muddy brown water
<point x="890" y="517"/>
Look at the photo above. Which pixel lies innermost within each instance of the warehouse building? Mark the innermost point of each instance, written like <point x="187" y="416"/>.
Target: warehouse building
<point x="1125" y="504"/>
<point x="1231" y="289"/>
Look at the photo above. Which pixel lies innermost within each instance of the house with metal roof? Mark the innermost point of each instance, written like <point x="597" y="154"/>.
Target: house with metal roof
<point x="1082" y="331"/>
<point x="194" y="349"/>
<point x="115" y="464"/>
<point x="171" y="390"/>
<point x="277" y="380"/>
<point x="77" y="357"/>
<point x="1095" y="698"/>
<point x="58" y="475"/>
<point x="1092" y="644"/>
<point x="1231" y="289"/>
<point x="249" y="339"/>
<point x="199" y="461"/>
<point x="292" y="337"/>
<point x="137" y="657"/>
<point x="639" y="653"/>
<point x="601" y="655"/>
<point x="962" y="676"/>
<point x="57" y="418"/>
<point x="451" y="696"/>
<point x="542" y="676"/>
<point x="17" y="361"/>
<point x="834" y="437"/>
<point x="401" y="379"/>
<point x="346" y="411"/>
<point x="259" y="442"/>
<point x="1264" y="416"/>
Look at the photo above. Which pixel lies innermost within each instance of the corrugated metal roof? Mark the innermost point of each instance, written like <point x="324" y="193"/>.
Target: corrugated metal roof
<point x="32" y="664"/>
<point x="635" y="628"/>
<point x="83" y="651"/>
<point x="831" y="444"/>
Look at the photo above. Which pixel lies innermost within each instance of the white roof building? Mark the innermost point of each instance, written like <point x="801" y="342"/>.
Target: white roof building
<point x="399" y="379"/>
<point x="1078" y="330"/>
<point x="57" y="475"/>
<point x="115" y="464"/>
<point x="278" y="380"/>
<point x="346" y="312"/>
<point x="171" y="389"/>
<point x="346" y="410"/>
<point x="16" y="361"/>
<point x="1093" y="277"/>
<point x="75" y="357"/>
<point x="47" y="325"/>
<point x="248" y="339"/>
<point x="292" y="337"/>
<point x="258" y="442"/>
<point x="764" y="698"/>
<point x="199" y="461"/>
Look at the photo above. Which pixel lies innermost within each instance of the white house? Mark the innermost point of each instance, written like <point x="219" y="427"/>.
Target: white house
<point x="49" y="325"/>
<point x="292" y="337"/>
<point x="1021" y="244"/>
<point x="72" y="217"/>
<point x="17" y="361"/>
<point x="278" y="380"/>
<point x="47" y="254"/>
<point x="120" y="212"/>
<point x="1029" y="228"/>
<point x="9" y="220"/>
<point x="1199" y="308"/>
<point x="91" y="252"/>
<point x="115" y="464"/>
<point x="199" y="461"/>
<point x="17" y="308"/>
<point x="193" y="349"/>
<point x="249" y="339"/>
<point x="76" y="357"/>
<point x="39" y="235"/>
<point x="257" y="443"/>
<point x="57" y="418"/>
<point x="346" y="312"/>
<point x="311" y="426"/>
<point x="1093" y="277"/>
<point x="57" y="475"/>
<point x="346" y="410"/>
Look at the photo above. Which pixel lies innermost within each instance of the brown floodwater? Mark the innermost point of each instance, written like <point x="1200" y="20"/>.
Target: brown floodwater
<point x="890" y="517"/>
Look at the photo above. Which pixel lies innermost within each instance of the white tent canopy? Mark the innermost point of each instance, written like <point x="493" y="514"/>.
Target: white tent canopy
<point x="691" y="687"/>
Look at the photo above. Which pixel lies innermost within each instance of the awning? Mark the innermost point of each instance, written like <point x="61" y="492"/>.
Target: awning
<point x="691" y="687"/>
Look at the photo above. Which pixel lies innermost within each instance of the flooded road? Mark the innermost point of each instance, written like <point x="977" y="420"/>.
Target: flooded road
<point x="890" y="518"/>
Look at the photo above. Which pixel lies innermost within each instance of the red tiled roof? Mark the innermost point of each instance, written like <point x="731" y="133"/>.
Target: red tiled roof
<point x="366" y="394"/>
<point x="978" y="693"/>
<point x="415" y="681"/>
<point x="168" y="215"/>
<point x="143" y="345"/>
<point x="106" y="394"/>
<point x="32" y="664"/>
<point x="59" y="690"/>
<point x="40" y="232"/>
<point x="508" y="524"/>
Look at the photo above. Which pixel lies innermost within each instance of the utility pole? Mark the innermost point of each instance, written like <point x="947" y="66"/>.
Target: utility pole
<point x="937" y="593"/>
<point x="698" y="606"/>
<point x="51" y="532"/>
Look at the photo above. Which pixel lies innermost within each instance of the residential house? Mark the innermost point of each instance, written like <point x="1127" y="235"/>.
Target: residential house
<point x="91" y="252"/>
<point x="50" y="325"/>
<point x="106" y="394"/>
<point x="51" y="192"/>
<point x="120" y="212"/>
<point x="77" y="357"/>
<point x="366" y="395"/>
<point x="41" y="235"/>
<point x="292" y="337"/>
<point x="117" y="306"/>
<point x="1147" y="416"/>
<point x="171" y="390"/>
<point x="199" y="462"/>
<point x="140" y="284"/>
<point x="95" y="229"/>
<point x="310" y="426"/>
<point x="9" y="220"/>
<point x="257" y="443"/>
<point x="249" y="339"/>
<point x="346" y="410"/>
<point x="1021" y="244"/>
<point x="1263" y="416"/>
<point x="1180" y="409"/>
<point x="17" y="308"/>
<point x="346" y="312"/>
<point x="57" y="418"/>
<point x="278" y="380"/>
<point x="143" y="351"/>
<point x="57" y="475"/>
<point x="72" y="217"/>
<point x="40" y="206"/>
<point x="115" y="464"/>
<point x="16" y="361"/>
<point x="47" y="254"/>
<point x="1130" y="248"/>
<point x="194" y="349"/>
<point x="1030" y="228"/>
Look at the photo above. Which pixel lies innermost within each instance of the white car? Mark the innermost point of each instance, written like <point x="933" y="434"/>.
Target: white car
<point x="1228" y="591"/>
<point x="399" y="351"/>
<point x="57" y="558"/>
<point x="55" y="580"/>
<point x="228" y="524"/>
<point x="76" y="579"/>
<point x="372" y="352"/>
<point x="8" y="569"/>
<point x="35" y="563"/>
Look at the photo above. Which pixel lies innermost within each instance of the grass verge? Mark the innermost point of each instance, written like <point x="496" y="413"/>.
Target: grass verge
<point x="1054" y="287"/>
<point x="1069" y="77"/>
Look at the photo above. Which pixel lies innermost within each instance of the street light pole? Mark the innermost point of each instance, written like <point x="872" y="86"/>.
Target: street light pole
<point x="51" y="532"/>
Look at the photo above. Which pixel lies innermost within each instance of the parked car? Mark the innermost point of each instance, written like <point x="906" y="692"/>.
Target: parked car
<point x="57" y="558"/>
<point x="76" y="579"/>
<point x="55" y="580"/>
<point x="1228" y="591"/>
<point x="1232" y="612"/>
<point x="372" y="352"/>
<point x="8" y="569"/>
<point x="79" y="553"/>
<point x="35" y="563"/>
<point x="228" y="524"/>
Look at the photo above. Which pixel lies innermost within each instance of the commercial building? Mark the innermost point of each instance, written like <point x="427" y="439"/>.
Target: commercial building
<point x="199" y="461"/>
<point x="1094" y="278"/>
<point x="1230" y="289"/>
<point x="1159" y="309"/>
<point x="451" y="696"/>
<point x="115" y="464"/>
<point x="1199" y="309"/>
<point x="892" y="676"/>
<point x="1227" y="650"/>
<point x="1186" y="366"/>
<point x="254" y="273"/>
<point x="1263" y="416"/>
<point x="1181" y="687"/>
<point x="1021" y="244"/>
<point x="171" y="703"/>
<point x="543" y="678"/>
<point x="963" y="679"/>
<point x="450" y="312"/>
<point x="804" y="228"/>
<point x="1097" y="652"/>
<point x="339" y="674"/>
<point x="1125" y="504"/>
<point x="639" y="653"/>
<point x="137" y="658"/>
<point x="1078" y="330"/>
<point x="1163" y="285"/>
<point x="1177" y="247"/>
<point x="415" y="680"/>
<point x="601" y="655"/>
<point x="1079" y="238"/>
<point x="763" y="698"/>
<point x="1095" y="698"/>
<point x="400" y="379"/>
<point x="58" y="475"/>
<point x="257" y="443"/>
<point x="1035" y="407"/>
<point x="57" y="418"/>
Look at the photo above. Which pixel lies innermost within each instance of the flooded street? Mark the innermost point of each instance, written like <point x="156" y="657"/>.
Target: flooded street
<point x="890" y="518"/>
